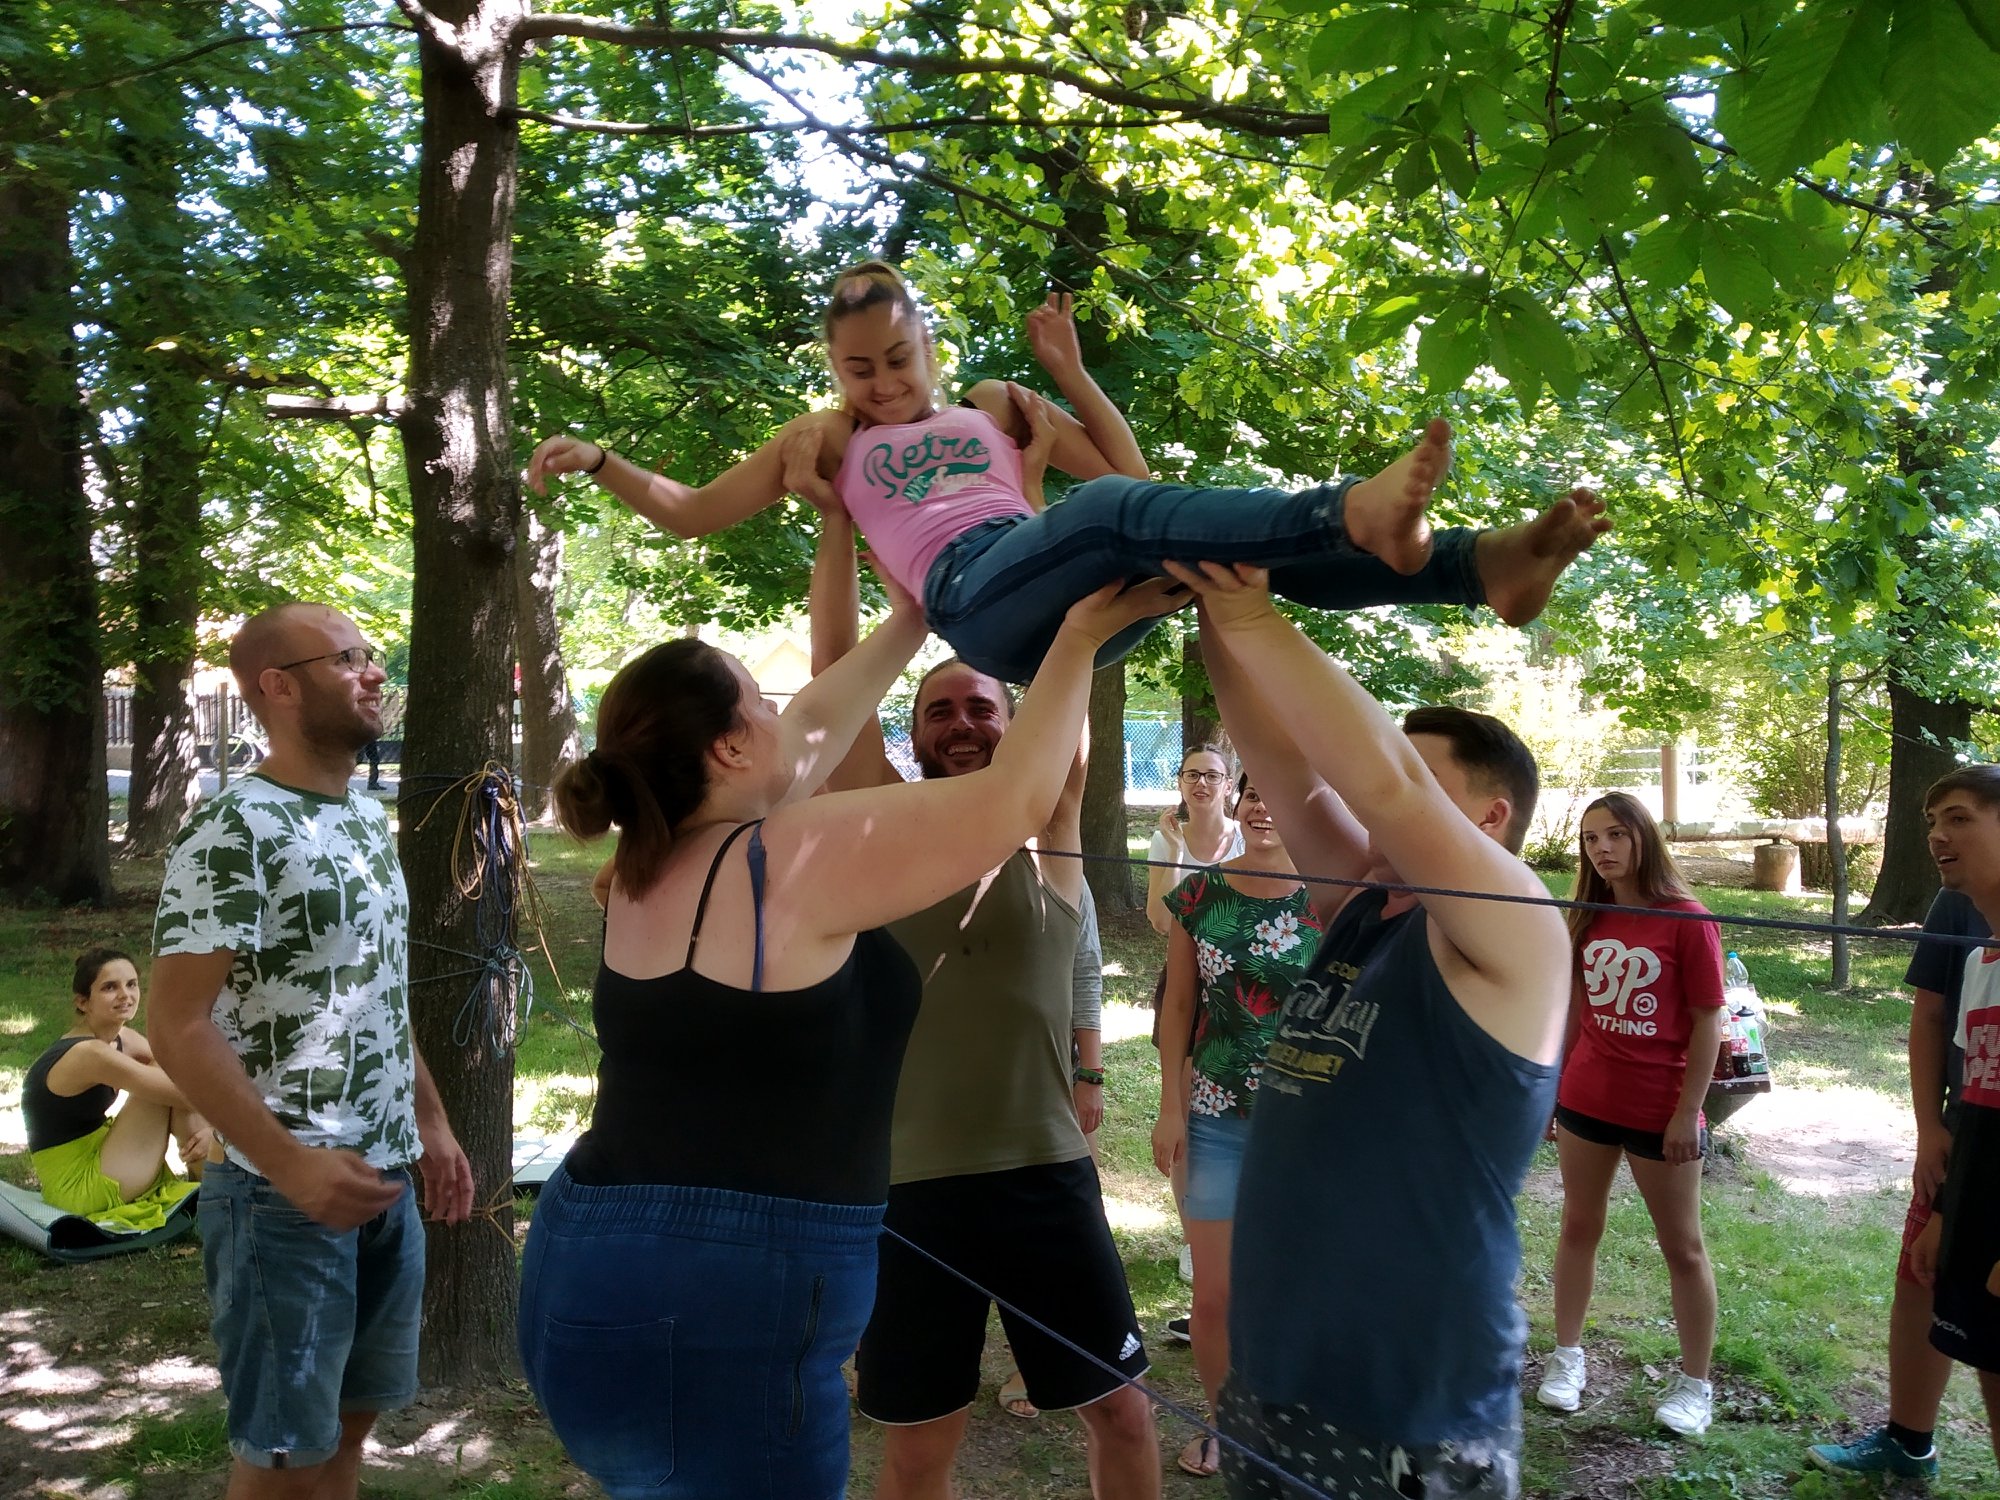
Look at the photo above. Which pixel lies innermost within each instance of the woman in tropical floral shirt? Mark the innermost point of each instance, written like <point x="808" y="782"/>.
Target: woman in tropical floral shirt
<point x="1241" y="938"/>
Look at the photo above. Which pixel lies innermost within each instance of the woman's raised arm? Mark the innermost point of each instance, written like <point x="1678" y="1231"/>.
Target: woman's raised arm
<point x="689" y="510"/>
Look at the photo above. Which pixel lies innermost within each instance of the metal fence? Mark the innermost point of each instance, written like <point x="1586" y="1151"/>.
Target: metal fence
<point x="1152" y="754"/>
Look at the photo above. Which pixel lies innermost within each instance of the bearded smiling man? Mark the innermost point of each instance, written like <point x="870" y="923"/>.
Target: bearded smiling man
<point x="280" y="1008"/>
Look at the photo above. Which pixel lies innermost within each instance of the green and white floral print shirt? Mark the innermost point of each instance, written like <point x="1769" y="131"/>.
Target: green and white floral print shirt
<point x="1249" y="951"/>
<point x="307" y="892"/>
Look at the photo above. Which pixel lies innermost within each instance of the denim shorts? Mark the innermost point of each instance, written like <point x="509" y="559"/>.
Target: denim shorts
<point x="688" y="1341"/>
<point x="1214" y="1165"/>
<point x="308" y="1322"/>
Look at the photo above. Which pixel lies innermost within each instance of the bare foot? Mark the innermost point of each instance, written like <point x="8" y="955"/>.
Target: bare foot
<point x="1385" y="512"/>
<point x="1520" y="565"/>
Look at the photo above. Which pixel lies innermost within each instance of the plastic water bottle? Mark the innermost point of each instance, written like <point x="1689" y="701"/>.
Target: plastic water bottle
<point x="1744" y="1028"/>
<point x="1734" y="975"/>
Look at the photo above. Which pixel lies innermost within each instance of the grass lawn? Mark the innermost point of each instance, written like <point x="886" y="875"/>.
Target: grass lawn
<point x="1804" y="1280"/>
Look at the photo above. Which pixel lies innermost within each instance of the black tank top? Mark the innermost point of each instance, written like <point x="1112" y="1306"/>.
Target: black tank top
<point x="786" y="1093"/>
<point x="57" y="1119"/>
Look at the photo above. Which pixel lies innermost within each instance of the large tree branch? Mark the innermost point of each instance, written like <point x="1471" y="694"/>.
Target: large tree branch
<point x="441" y="33"/>
<point x="217" y="44"/>
<point x="944" y="124"/>
<point x="1253" y="119"/>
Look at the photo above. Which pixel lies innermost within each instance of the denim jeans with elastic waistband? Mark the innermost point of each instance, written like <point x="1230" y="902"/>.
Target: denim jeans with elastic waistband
<point x="688" y="1341"/>
<point x="998" y="593"/>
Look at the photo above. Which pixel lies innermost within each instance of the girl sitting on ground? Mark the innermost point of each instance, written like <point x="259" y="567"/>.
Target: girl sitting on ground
<point x="1645" y="1025"/>
<point x="938" y="491"/>
<point x="89" y="1161"/>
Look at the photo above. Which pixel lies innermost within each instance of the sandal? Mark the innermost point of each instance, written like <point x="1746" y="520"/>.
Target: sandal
<point x="1202" y="1457"/>
<point x="1013" y="1397"/>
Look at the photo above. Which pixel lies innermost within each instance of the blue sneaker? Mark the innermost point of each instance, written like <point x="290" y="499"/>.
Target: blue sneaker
<point x="1877" y="1453"/>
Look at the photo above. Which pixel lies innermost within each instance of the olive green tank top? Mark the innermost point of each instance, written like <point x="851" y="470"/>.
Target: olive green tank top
<point x="986" y="1081"/>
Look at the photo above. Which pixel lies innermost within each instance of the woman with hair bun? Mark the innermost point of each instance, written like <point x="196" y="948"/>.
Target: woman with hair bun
<point x="703" y="1262"/>
<point x="951" y="510"/>
<point x="1645" y="1025"/>
<point x="108" y="1167"/>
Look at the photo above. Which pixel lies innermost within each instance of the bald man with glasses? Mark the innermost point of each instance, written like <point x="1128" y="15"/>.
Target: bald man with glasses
<point x="280" y="1000"/>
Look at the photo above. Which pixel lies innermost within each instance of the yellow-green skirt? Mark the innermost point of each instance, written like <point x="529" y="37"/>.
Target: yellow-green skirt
<point x="73" y="1180"/>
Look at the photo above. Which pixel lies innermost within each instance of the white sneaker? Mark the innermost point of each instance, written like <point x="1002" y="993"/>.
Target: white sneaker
<point x="1689" y="1407"/>
<point x="1562" y="1379"/>
<point x="1187" y="1264"/>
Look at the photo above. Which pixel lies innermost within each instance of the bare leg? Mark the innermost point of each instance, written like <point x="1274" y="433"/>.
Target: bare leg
<point x="136" y="1147"/>
<point x="1209" y="1325"/>
<point x="1918" y="1373"/>
<point x="1519" y="566"/>
<point x="1384" y="513"/>
<point x="1123" y="1446"/>
<point x="1989" y="1392"/>
<point x="1587" y="1171"/>
<point x="917" y="1460"/>
<point x="1673" y="1197"/>
<point x="340" y="1476"/>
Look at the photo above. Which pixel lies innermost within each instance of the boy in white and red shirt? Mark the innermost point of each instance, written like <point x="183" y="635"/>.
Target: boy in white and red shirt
<point x="1958" y="1252"/>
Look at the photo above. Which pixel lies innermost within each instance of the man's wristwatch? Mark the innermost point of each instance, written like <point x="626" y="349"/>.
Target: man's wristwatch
<point x="1088" y="1075"/>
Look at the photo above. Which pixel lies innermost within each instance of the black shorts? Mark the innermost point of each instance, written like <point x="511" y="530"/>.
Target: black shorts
<point x="1965" y="1317"/>
<point x="1036" y="1237"/>
<point x="1650" y="1144"/>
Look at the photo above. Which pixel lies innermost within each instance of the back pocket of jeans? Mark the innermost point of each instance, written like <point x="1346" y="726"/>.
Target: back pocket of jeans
<point x="608" y="1391"/>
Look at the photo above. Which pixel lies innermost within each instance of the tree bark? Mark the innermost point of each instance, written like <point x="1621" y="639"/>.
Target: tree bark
<point x="1920" y="751"/>
<point x="54" y="843"/>
<point x="549" y="738"/>
<point x="1836" y="850"/>
<point x="1199" y="723"/>
<point x="167" y="573"/>
<point x="459" y="453"/>
<point x="1109" y="877"/>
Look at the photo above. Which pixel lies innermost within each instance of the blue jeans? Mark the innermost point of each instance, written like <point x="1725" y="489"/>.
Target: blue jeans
<point x="997" y="594"/>
<point x="688" y="1341"/>
<point x="309" y="1322"/>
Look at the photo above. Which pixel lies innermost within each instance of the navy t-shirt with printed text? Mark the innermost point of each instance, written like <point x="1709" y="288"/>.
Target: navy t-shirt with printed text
<point x="1375" y="1249"/>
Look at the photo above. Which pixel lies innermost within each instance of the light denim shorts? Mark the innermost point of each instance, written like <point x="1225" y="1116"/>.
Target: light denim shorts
<point x="308" y="1322"/>
<point x="1214" y="1165"/>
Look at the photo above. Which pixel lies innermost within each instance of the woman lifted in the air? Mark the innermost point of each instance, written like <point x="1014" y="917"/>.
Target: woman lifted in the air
<point x="948" y="497"/>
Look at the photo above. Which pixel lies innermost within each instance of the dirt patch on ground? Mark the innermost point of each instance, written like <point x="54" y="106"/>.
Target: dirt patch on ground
<point x="1831" y="1142"/>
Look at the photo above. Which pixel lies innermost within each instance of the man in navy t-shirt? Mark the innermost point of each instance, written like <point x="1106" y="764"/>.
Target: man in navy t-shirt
<point x="1375" y="1342"/>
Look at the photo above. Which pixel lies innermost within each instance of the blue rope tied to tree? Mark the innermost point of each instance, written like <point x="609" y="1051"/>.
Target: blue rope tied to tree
<point x="489" y="868"/>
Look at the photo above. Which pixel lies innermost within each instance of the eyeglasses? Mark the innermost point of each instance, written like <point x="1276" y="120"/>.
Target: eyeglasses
<point x="1208" y="778"/>
<point x="354" y="658"/>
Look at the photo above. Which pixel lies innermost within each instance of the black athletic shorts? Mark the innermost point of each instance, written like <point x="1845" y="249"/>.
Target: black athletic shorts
<point x="1034" y="1236"/>
<point x="1650" y="1144"/>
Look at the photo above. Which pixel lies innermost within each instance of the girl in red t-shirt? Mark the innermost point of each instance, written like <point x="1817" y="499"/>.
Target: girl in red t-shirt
<point x="1645" y="1025"/>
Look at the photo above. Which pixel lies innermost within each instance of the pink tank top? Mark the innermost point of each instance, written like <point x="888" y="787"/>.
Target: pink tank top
<point x="915" y="487"/>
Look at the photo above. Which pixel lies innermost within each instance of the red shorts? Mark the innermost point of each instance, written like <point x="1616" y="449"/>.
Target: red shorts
<point x="1913" y="1225"/>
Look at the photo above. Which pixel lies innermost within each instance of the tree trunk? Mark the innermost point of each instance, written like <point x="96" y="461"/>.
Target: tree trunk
<point x="54" y="843"/>
<point x="548" y="719"/>
<point x="1199" y="723"/>
<point x="167" y="572"/>
<point x="465" y="499"/>
<point x="1110" y="878"/>
<point x="1836" y="850"/>
<point x="1920" y="751"/>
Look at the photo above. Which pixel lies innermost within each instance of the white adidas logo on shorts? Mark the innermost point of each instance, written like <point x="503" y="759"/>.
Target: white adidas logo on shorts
<point x="1130" y="1347"/>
